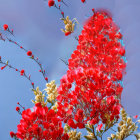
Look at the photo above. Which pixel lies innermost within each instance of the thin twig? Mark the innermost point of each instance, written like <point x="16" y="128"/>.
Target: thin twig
<point x="33" y="57"/>
<point x="63" y="61"/>
<point x="10" y="66"/>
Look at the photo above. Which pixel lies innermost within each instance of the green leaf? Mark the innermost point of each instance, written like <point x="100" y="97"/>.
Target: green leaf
<point x="88" y="138"/>
<point x="101" y="131"/>
<point x="33" y="89"/>
<point x="88" y="129"/>
<point x="62" y="18"/>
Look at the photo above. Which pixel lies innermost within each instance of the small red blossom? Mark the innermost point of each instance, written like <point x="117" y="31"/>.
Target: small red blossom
<point x="32" y="83"/>
<point x="59" y="0"/>
<point x="17" y="108"/>
<point x="22" y="72"/>
<point x="46" y="78"/>
<point x="5" y="26"/>
<point x="67" y="33"/>
<point x="29" y="53"/>
<point x="62" y="13"/>
<point x="83" y="1"/>
<point x="93" y="10"/>
<point x="51" y="3"/>
<point x="3" y="67"/>
<point x="99" y="127"/>
<point x="12" y="134"/>
<point x="135" y="117"/>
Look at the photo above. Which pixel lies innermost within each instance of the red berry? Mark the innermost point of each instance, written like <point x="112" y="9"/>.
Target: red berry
<point x="21" y="47"/>
<point x="62" y="13"/>
<point x="16" y="69"/>
<point x="5" y="26"/>
<point x="17" y="108"/>
<point x="32" y="83"/>
<point x="18" y="103"/>
<point x="83" y="1"/>
<point x="51" y="3"/>
<point x="12" y="134"/>
<point x="29" y="53"/>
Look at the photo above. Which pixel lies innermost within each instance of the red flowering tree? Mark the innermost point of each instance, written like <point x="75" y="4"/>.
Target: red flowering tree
<point x="90" y="90"/>
<point x="89" y="95"/>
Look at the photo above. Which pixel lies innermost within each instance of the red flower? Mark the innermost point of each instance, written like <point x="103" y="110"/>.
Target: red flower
<point x="5" y="26"/>
<point x="17" y="108"/>
<point x="59" y="0"/>
<point x="51" y="3"/>
<point x="29" y="53"/>
<point x="12" y="134"/>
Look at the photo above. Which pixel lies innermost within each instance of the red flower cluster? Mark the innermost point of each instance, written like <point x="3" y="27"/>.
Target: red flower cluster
<point x="91" y="84"/>
<point x="40" y="123"/>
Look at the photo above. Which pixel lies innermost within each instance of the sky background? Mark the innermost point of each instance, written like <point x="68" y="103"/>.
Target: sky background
<point x="37" y="28"/>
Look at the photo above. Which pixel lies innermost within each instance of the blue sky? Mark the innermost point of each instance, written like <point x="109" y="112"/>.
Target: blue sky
<point x="37" y="27"/>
